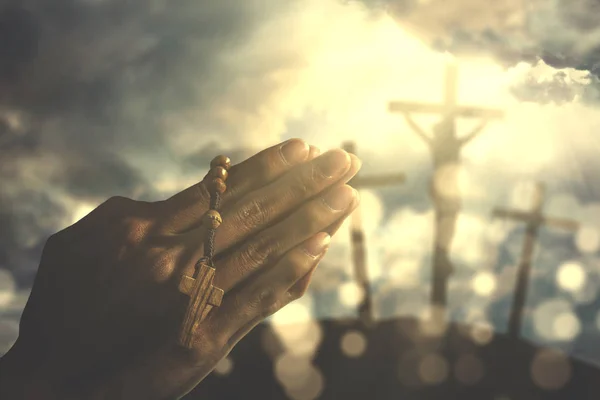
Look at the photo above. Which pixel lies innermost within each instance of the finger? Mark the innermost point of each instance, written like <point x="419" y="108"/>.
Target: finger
<point x="356" y="164"/>
<point x="222" y="329"/>
<point x="314" y="152"/>
<point x="185" y="209"/>
<point x="269" y="291"/>
<point x="333" y="228"/>
<point x="272" y="243"/>
<point x="302" y="284"/>
<point x="225" y="244"/>
<point x="264" y="207"/>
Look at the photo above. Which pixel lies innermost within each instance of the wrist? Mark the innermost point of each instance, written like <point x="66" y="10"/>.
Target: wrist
<point x="19" y="379"/>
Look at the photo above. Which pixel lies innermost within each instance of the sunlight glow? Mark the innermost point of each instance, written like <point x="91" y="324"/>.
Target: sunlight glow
<point x="8" y="287"/>
<point x="81" y="210"/>
<point x="292" y="313"/>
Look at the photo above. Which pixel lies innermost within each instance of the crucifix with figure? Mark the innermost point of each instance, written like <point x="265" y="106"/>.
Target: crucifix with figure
<point x="359" y="257"/>
<point x="534" y="220"/>
<point x="445" y="147"/>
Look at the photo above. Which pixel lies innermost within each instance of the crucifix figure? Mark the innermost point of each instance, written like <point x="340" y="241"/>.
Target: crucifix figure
<point x="359" y="257"/>
<point x="534" y="220"/>
<point x="445" y="147"/>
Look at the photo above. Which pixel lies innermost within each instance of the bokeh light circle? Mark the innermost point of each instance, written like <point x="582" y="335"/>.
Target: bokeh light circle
<point x="433" y="369"/>
<point x="354" y="344"/>
<point x="550" y="369"/>
<point x="571" y="276"/>
<point x="224" y="366"/>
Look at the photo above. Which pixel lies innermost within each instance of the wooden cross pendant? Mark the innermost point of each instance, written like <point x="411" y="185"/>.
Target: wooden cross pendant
<point x="203" y="297"/>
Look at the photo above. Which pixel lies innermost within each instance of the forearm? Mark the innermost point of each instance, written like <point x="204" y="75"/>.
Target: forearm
<point x="22" y="378"/>
<point x="17" y="380"/>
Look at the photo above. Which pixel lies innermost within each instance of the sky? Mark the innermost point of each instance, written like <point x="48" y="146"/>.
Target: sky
<point x="101" y="98"/>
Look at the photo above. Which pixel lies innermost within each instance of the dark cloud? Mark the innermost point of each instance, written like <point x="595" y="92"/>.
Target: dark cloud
<point x="86" y="86"/>
<point x="563" y="33"/>
<point x="19" y="37"/>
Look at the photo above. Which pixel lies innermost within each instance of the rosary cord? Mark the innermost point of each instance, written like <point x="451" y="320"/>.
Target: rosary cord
<point x="209" y="248"/>
<point x="215" y="199"/>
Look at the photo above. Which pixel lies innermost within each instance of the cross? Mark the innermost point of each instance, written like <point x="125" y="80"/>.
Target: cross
<point x="534" y="220"/>
<point x="450" y="105"/>
<point x="359" y="258"/>
<point x="203" y="297"/>
<point x="445" y="147"/>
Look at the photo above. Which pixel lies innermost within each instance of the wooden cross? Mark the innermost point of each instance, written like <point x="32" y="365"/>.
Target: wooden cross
<point x="203" y="297"/>
<point x="534" y="220"/>
<point x="445" y="148"/>
<point x="359" y="257"/>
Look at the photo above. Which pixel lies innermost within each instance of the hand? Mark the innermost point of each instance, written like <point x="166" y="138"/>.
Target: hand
<point x="104" y="314"/>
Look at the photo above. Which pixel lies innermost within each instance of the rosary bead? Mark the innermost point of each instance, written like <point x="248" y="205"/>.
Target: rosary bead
<point x="220" y="161"/>
<point x="218" y="185"/>
<point x="219" y="172"/>
<point x="212" y="219"/>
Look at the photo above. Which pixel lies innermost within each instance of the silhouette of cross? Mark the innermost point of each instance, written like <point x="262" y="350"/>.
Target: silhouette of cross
<point x="359" y="258"/>
<point x="534" y="220"/>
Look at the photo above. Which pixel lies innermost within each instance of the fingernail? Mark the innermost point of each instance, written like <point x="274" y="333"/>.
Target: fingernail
<point x="356" y="161"/>
<point x="314" y="151"/>
<point x="340" y="198"/>
<point x="356" y="195"/>
<point x="333" y="162"/>
<point x="294" y="151"/>
<point x="317" y="244"/>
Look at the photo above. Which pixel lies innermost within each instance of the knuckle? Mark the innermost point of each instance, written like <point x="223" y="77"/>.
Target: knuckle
<point x="53" y="239"/>
<point x="256" y="253"/>
<point x="134" y="230"/>
<point x="117" y="202"/>
<point x="267" y="297"/>
<point x="200" y="190"/>
<point x="162" y="266"/>
<point x="301" y="185"/>
<point x="267" y="312"/>
<point x="298" y="265"/>
<point x="115" y="206"/>
<point x="314" y="215"/>
<point x="208" y="350"/>
<point x="254" y="213"/>
<point x="268" y="301"/>
<point x="296" y="292"/>
<point x="53" y="243"/>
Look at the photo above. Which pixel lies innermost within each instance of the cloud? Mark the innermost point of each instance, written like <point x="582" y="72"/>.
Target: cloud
<point x="561" y="32"/>
<point x="104" y="97"/>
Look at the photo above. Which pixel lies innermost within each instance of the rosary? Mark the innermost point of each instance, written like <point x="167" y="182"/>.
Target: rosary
<point x="203" y="295"/>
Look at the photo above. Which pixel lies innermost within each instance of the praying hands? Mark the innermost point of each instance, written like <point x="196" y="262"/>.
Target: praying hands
<point x="105" y="312"/>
